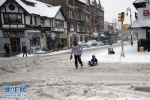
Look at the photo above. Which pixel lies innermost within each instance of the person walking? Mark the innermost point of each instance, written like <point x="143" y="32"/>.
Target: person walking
<point x="24" y="50"/>
<point x="5" y="47"/>
<point x="7" y="50"/>
<point x="77" y="50"/>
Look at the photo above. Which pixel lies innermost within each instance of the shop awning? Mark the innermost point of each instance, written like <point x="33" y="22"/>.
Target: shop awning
<point x="141" y="23"/>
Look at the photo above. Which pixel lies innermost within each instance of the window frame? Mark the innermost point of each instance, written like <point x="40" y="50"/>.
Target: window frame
<point x="15" y="17"/>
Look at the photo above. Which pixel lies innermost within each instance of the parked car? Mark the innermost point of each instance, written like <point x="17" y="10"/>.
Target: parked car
<point x="100" y="43"/>
<point x="92" y="43"/>
<point x="82" y="43"/>
<point x="105" y="42"/>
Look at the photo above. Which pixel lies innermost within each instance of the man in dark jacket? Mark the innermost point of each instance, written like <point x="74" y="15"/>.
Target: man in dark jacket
<point x="7" y="50"/>
<point x="24" y="50"/>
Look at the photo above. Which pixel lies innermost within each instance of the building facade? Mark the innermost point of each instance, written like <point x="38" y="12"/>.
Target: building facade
<point x="21" y="23"/>
<point x="142" y="24"/>
<point x="85" y="18"/>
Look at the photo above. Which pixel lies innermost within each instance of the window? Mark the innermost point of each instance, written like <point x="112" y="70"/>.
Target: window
<point x="12" y="19"/>
<point x="31" y="20"/>
<point x="76" y="15"/>
<point x="70" y="14"/>
<point x="59" y="24"/>
<point x="42" y="21"/>
<point x="87" y="18"/>
<point x="76" y="4"/>
<point x="88" y="29"/>
<point x="77" y="28"/>
<point x="35" y="21"/>
<point x="69" y="2"/>
<point x="71" y="27"/>
<point x="82" y="17"/>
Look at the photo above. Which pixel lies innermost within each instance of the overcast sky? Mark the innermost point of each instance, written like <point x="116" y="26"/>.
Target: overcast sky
<point x="113" y="7"/>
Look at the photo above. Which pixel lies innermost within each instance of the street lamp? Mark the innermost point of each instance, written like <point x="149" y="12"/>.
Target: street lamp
<point x="129" y="9"/>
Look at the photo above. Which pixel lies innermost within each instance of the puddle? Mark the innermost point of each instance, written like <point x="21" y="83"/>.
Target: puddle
<point x="143" y="89"/>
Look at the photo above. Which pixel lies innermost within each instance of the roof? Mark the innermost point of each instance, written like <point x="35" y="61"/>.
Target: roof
<point x="140" y="1"/>
<point x="84" y="1"/>
<point x="2" y="1"/>
<point x="40" y="8"/>
<point x="141" y="23"/>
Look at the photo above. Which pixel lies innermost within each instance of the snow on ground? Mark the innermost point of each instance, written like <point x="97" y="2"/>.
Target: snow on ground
<point x="52" y="76"/>
<point x="131" y="54"/>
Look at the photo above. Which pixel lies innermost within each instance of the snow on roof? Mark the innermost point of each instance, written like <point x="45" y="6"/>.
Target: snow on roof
<point x="84" y="1"/>
<point x="40" y="8"/>
<point x="2" y="1"/>
<point x="141" y="23"/>
<point x="140" y="1"/>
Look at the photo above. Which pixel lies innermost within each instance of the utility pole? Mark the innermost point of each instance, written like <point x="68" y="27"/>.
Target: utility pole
<point x="129" y="9"/>
<point x="121" y="19"/>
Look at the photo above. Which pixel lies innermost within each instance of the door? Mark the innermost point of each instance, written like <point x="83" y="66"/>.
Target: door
<point x="15" y="45"/>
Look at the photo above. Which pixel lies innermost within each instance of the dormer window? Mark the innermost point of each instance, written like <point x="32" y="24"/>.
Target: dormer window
<point x="29" y="2"/>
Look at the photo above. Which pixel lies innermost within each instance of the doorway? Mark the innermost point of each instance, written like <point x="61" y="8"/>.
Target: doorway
<point x="15" y="45"/>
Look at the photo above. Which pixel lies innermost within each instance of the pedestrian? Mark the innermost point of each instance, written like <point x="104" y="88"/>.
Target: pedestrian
<point x="5" y="47"/>
<point x="131" y="42"/>
<point x="7" y="50"/>
<point x="24" y="50"/>
<point x="93" y="61"/>
<point x="77" y="50"/>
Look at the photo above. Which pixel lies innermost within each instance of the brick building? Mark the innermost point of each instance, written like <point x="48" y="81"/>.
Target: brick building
<point x="85" y="18"/>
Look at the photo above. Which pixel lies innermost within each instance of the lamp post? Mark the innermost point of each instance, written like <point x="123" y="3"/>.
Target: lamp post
<point x="129" y="9"/>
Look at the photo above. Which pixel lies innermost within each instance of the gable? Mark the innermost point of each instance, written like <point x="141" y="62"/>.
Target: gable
<point x="59" y="15"/>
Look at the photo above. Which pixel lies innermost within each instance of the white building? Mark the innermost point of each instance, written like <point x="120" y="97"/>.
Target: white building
<point x="31" y="23"/>
<point x="142" y="25"/>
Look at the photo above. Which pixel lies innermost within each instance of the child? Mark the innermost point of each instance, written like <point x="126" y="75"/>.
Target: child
<point x="93" y="61"/>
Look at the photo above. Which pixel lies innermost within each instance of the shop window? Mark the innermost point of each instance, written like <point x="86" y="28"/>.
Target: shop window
<point x="12" y="19"/>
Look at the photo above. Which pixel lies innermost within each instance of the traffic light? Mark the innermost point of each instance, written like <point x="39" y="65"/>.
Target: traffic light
<point x="121" y="16"/>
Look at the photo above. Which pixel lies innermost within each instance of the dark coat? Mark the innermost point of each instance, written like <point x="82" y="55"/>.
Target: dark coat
<point x="24" y="49"/>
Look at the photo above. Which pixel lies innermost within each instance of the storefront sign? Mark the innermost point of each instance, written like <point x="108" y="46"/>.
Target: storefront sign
<point x="146" y="13"/>
<point x="63" y="35"/>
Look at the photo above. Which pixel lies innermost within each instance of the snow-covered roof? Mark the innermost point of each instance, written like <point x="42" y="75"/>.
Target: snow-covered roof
<point x="140" y="1"/>
<point x="84" y="1"/>
<point x="141" y="23"/>
<point x="2" y="1"/>
<point x="40" y="8"/>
